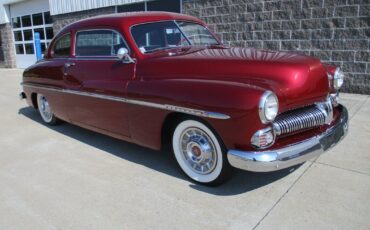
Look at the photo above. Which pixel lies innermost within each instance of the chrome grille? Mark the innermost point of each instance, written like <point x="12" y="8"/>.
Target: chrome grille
<point x="300" y="119"/>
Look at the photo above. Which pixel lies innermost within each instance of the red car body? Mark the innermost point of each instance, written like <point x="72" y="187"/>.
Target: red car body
<point x="220" y="85"/>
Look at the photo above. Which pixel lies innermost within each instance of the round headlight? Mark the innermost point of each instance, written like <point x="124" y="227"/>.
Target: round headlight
<point x="338" y="78"/>
<point x="268" y="107"/>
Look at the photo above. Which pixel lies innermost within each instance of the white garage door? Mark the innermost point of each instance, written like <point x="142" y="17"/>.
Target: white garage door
<point x="28" y="18"/>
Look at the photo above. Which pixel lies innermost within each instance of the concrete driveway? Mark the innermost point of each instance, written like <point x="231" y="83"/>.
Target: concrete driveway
<point x="66" y="177"/>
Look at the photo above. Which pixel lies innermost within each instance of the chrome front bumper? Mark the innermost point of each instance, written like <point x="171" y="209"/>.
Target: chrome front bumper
<point x="276" y="159"/>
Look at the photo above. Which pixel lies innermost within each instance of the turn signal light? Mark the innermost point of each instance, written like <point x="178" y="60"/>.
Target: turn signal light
<point x="263" y="138"/>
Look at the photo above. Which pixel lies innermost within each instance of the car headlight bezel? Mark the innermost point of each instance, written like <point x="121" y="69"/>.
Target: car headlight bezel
<point x="268" y="107"/>
<point x="338" y="79"/>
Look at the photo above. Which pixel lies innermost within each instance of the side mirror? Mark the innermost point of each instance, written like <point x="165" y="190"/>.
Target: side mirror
<point x="123" y="55"/>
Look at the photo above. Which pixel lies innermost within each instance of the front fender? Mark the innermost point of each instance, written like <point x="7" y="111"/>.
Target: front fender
<point x="237" y="101"/>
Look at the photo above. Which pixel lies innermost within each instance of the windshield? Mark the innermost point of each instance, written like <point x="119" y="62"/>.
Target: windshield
<point x="155" y="36"/>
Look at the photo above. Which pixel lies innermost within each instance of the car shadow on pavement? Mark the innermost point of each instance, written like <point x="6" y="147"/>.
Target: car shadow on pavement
<point x="161" y="161"/>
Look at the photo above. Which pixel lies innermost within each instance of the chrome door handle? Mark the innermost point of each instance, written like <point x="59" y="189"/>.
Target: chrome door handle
<point x="67" y="65"/>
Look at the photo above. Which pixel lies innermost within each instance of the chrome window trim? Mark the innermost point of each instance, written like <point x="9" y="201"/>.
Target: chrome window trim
<point x="92" y="58"/>
<point x="196" y="112"/>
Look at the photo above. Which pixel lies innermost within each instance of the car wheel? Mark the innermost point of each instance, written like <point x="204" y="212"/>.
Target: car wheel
<point x="199" y="153"/>
<point x="45" y="110"/>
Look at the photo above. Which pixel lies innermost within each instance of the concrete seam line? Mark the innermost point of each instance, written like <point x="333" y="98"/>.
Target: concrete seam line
<point x="362" y="102"/>
<point x="358" y="109"/>
<point x="349" y="170"/>
<point x="282" y="196"/>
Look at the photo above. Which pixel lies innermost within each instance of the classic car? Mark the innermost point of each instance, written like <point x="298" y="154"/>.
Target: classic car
<point x="164" y="79"/>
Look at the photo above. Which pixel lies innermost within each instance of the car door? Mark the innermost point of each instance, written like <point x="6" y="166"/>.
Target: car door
<point x="96" y="81"/>
<point x="52" y="72"/>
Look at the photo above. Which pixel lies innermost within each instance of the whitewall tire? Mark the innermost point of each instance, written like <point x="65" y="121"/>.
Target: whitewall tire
<point x="45" y="110"/>
<point x="199" y="153"/>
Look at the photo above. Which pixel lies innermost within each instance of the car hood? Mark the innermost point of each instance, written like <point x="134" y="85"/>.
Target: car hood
<point x="296" y="79"/>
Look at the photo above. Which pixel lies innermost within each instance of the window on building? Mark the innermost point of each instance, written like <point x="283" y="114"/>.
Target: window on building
<point x="98" y="43"/>
<point x="63" y="46"/>
<point x="19" y="49"/>
<point x="26" y="21"/>
<point x="157" y="5"/>
<point x="16" y="22"/>
<point x="49" y="32"/>
<point x="131" y="7"/>
<point x="37" y="19"/>
<point x="48" y="19"/>
<point x="43" y="47"/>
<point x="27" y="35"/>
<point x="18" y="36"/>
<point x="41" y="32"/>
<point x="29" y="48"/>
<point x="164" y="5"/>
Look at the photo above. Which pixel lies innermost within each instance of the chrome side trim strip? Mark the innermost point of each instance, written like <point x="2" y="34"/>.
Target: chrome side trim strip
<point x="175" y="108"/>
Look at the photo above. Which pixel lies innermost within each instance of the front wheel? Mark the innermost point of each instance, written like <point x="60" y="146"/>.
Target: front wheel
<point x="199" y="153"/>
<point x="46" y="113"/>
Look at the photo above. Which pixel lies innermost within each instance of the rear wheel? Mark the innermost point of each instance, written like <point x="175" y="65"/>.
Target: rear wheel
<point x="45" y="111"/>
<point x="199" y="153"/>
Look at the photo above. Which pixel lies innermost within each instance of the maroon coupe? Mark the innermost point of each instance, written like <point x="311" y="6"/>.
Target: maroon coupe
<point x="151" y="77"/>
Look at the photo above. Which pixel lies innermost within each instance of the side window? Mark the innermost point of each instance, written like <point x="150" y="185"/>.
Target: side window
<point x="98" y="43"/>
<point x="63" y="46"/>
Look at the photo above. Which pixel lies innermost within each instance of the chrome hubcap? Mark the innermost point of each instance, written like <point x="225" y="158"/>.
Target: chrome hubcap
<point x="45" y="108"/>
<point x="198" y="150"/>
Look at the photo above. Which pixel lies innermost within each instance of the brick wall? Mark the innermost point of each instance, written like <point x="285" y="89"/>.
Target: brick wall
<point x="336" y="31"/>
<point x="7" y="46"/>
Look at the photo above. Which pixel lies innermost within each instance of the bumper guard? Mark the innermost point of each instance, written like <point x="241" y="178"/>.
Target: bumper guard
<point x="294" y="154"/>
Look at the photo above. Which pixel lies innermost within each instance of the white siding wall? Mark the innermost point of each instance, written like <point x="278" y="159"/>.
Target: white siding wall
<point x="4" y="10"/>
<point x="29" y="7"/>
<point x="4" y="18"/>
<point x="62" y="6"/>
<point x="68" y="6"/>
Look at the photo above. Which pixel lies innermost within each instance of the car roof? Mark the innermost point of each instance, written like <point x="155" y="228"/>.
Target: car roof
<point x="128" y="19"/>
